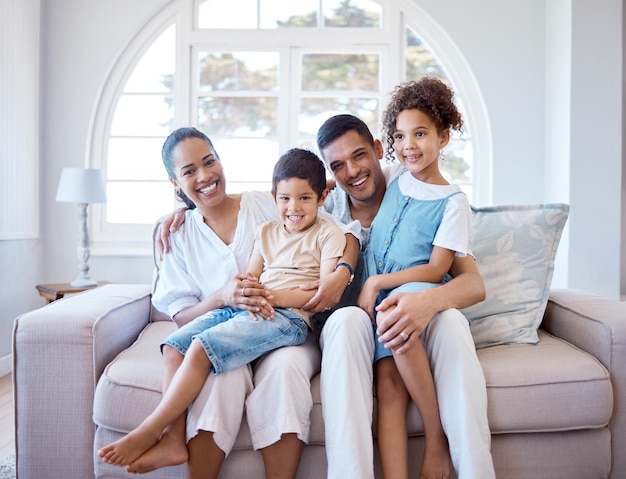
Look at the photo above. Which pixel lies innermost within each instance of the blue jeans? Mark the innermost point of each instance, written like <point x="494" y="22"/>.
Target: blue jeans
<point x="231" y="338"/>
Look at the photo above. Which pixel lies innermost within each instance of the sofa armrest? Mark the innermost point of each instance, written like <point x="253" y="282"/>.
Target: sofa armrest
<point x="596" y="325"/>
<point x="59" y="352"/>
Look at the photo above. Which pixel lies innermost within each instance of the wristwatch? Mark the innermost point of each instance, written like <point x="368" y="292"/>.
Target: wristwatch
<point x="346" y="265"/>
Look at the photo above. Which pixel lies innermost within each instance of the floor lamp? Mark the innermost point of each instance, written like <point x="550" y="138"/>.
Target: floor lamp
<point x="82" y="186"/>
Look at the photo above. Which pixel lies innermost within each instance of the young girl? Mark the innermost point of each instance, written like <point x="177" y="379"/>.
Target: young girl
<point x="422" y="224"/>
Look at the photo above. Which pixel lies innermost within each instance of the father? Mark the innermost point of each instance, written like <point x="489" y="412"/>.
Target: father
<point x="353" y="156"/>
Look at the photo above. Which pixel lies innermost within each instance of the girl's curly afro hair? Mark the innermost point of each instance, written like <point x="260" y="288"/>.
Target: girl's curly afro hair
<point x="429" y="95"/>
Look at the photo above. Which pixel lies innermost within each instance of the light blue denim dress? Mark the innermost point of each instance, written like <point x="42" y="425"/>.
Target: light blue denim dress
<point x="402" y="236"/>
<point x="231" y="338"/>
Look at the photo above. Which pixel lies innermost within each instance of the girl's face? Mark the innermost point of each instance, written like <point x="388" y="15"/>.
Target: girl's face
<point x="417" y="142"/>
<point x="296" y="204"/>
<point x="199" y="172"/>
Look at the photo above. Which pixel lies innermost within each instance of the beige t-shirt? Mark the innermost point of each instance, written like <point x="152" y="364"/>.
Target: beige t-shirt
<point x="293" y="259"/>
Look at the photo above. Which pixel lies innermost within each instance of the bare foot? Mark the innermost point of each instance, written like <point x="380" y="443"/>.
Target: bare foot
<point x="436" y="461"/>
<point x="169" y="451"/>
<point x="126" y="450"/>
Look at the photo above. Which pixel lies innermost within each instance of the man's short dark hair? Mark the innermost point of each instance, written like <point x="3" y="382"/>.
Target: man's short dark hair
<point x="339" y="125"/>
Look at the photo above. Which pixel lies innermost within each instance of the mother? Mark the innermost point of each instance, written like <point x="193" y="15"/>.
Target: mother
<point x="203" y="272"/>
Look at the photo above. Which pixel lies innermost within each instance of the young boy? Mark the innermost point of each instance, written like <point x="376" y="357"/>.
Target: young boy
<point x="296" y="249"/>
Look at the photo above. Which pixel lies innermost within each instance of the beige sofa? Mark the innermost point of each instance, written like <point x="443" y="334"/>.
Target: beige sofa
<point x="88" y="369"/>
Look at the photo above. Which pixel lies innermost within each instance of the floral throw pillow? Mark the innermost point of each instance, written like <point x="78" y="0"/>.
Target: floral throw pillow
<point x="514" y="247"/>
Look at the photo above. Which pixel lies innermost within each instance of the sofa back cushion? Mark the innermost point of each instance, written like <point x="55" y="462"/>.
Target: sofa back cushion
<point x="514" y="247"/>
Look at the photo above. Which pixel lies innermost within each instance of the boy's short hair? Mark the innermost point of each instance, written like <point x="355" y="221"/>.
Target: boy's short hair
<point x="303" y="164"/>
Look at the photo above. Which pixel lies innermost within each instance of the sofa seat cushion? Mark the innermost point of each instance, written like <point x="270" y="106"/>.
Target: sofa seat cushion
<point x="130" y="388"/>
<point x="548" y="386"/>
<point x="544" y="387"/>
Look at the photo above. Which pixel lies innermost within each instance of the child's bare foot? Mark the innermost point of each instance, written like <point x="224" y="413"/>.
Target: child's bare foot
<point x="128" y="449"/>
<point x="169" y="451"/>
<point x="436" y="462"/>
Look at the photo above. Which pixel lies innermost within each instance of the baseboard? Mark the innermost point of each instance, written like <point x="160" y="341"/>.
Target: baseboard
<point x="6" y="365"/>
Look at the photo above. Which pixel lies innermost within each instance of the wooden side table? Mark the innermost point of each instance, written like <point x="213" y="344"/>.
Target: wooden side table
<point x="54" y="291"/>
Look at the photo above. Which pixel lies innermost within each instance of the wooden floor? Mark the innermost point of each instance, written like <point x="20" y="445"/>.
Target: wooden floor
<point x="7" y="426"/>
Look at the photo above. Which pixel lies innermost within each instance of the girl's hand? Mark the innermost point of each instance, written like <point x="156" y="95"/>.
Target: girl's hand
<point x="367" y="296"/>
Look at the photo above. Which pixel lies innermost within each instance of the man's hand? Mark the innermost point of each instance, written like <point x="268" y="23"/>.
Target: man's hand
<point x="170" y="224"/>
<point x="329" y="290"/>
<point x="406" y="313"/>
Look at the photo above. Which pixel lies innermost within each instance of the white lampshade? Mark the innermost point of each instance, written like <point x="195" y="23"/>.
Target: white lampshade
<point x="82" y="185"/>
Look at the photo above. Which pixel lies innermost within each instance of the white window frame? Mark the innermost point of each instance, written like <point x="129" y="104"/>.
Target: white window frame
<point x="134" y="239"/>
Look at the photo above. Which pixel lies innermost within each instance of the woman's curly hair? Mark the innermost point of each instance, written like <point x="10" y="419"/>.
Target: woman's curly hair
<point x="429" y="95"/>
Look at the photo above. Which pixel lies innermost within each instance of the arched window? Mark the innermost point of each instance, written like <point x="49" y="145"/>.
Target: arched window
<point x="260" y="77"/>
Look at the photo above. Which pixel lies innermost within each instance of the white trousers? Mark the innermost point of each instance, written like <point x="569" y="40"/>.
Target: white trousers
<point x="346" y="388"/>
<point x="347" y="344"/>
<point x="276" y="395"/>
<point x="461" y="394"/>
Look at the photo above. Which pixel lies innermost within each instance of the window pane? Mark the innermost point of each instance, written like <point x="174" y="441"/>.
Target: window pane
<point x="419" y="60"/>
<point x="135" y="159"/>
<point x="138" y="202"/>
<point x="238" y="71"/>
<point x="288" y="13"/>
<point x="231" y="14"/>
<point x="458" y="160"/>
<point x="155" y="71"/>
<point x="314" y="111"/>
<point x="247" y="160"/>
<point x="238" y="116"/>
<point x="356" y="72"/>
<point x="352" y="13"/>
<point x="249" y="186"/>
<point x="143" y="115"/>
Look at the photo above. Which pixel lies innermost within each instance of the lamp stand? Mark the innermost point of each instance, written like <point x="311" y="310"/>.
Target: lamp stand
<point x="83" y="250"/>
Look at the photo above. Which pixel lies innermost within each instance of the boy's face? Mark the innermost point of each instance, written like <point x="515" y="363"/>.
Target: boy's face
<point x="297" y="204"/>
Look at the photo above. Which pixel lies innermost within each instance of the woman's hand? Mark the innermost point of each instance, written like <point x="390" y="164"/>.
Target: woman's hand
<point x="170" y="224"/>
<point x="245" y="292"/>
<point x="367" y="296"/>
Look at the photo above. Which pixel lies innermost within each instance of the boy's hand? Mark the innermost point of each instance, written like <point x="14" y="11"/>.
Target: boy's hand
<point x="170" y="224"/>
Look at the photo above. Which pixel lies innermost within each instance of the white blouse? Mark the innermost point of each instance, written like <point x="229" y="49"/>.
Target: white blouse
<point x="199" y="263"/>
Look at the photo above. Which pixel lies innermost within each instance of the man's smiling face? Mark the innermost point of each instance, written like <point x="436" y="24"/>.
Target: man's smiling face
<point x="355" y="164"/>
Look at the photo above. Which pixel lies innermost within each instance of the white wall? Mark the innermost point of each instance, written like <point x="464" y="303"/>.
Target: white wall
<point x="596" y="146"/>
<point x="20" y="249"/>
<point x="522" y="55"/>
<point x="81" y="42"/>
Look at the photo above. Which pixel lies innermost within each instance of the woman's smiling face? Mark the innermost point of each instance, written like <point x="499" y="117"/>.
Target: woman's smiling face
<point x="199" y="172"/>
